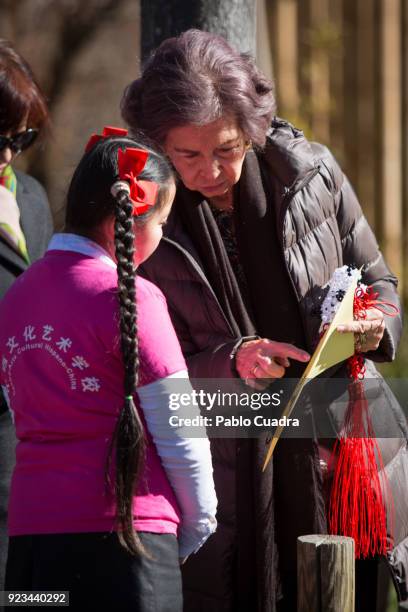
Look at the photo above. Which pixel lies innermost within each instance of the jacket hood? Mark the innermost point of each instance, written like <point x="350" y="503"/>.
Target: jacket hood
<point x="288" y="153"/>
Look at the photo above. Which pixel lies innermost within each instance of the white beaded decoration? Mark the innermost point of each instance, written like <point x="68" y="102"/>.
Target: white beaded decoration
<point x="338" y="285"/>
<point x="119" y="186"/>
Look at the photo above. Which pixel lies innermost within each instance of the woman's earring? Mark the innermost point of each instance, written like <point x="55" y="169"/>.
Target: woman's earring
<point x="248" y="145"/>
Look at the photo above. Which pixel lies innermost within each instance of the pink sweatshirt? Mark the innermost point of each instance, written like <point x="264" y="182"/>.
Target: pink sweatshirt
<point x="61" y="368"/>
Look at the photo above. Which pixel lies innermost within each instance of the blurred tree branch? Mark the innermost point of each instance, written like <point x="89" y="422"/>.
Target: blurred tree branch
<point x="76" y="23"/>
<point x="80" y="22"/>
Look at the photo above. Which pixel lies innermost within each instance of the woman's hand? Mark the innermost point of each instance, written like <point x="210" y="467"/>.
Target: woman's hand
<point x="367" y="332"/>
<point x="259" y="361"/>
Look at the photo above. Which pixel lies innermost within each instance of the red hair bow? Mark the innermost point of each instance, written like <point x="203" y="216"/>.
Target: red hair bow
<point x="107" y="131"/>
<point x="142" y="193"/>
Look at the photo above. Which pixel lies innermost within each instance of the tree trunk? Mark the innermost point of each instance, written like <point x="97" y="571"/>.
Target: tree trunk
<point x="233" y="19"/>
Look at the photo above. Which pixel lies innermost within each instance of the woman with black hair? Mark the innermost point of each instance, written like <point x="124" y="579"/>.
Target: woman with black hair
<point x="25" y="218"/>
<point x="102" y="486"/>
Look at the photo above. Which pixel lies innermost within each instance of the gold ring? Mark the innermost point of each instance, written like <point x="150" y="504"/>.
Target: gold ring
<point x="362" y="339"/>
<point x="253" y="371"/>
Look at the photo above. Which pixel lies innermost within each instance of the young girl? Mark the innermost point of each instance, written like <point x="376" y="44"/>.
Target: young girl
<point x="101" y="487"/>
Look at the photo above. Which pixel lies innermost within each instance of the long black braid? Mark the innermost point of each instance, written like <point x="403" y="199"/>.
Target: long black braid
<point x="89" y="202"/>
<point x="128" y="436"/>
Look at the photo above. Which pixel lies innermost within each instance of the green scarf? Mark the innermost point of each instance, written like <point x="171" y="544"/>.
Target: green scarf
<point x="10" y="228"/>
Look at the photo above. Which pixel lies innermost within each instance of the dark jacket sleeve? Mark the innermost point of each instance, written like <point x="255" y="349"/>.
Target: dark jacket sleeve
<point x="36" y="219"/>
<point x="36" y="222"/>
<point x="213" y="362"/>
<point x="204" y="337"/>
<point x="360" y="248"/>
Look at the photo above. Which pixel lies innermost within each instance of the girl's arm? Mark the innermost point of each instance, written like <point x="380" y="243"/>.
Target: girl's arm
<point x="186" y="459"/>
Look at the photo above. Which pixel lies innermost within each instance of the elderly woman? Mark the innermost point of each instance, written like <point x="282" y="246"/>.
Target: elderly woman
<point x="261" y="219"/>
<point x="25" y="218"/>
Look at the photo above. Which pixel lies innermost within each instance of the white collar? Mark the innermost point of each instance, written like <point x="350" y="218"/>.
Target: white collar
<point x="80" y="244"/>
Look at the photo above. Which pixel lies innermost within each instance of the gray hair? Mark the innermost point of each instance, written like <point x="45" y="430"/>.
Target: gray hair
<point x="194" y="79"/>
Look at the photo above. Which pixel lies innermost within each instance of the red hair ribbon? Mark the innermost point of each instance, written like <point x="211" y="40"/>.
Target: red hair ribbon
<point x="107" y="131"/>
<point x="142" y="193"/>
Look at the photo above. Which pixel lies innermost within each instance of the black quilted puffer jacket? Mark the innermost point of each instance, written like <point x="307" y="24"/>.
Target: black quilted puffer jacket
<point x="321" y="227"/>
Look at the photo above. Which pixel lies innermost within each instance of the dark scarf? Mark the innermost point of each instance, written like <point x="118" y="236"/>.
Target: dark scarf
<point x="271" y="311"/>
<point x="202" y="228"/>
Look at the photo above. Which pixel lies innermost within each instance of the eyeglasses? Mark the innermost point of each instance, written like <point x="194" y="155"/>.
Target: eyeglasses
<point x="18" y="142"/>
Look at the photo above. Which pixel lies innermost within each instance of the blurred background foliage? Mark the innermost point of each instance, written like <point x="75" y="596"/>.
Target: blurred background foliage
<point x="340" y="68"/>
<point x="341" y="73"/>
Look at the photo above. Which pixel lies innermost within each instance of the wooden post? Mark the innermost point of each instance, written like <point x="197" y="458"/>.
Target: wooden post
<point x="264" y="54"/>
<point x="326" y="575"/>
<point x="350" y="76"/>
<point x="404" y="161"/>
<point x="391" y="133"/>
<point x="367" y="55"/>
<point x="319" y="71"/>
<point x="286" y="54"/>
<point x="305" y="57"/>
<point x="336" y="66"/>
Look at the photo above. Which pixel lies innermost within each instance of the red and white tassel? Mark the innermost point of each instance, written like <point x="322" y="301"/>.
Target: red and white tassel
<point x="360" y="488"/>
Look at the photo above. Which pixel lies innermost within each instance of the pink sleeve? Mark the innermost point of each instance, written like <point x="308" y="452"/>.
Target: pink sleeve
<point x="159" y="349"/>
